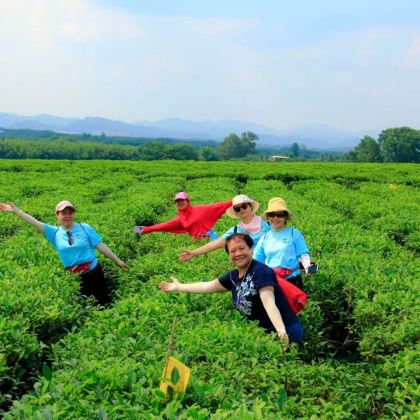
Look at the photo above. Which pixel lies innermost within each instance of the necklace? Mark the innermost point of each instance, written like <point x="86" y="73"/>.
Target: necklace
<point x="243" y="277"/>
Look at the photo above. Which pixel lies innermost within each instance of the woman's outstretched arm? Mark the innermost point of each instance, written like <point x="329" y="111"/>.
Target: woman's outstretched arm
<point x="11" y="208"/>
<point x="187" y="254"/>
<point x="269" y="303"/>
<point x="199" y="287"/>
<point x="105" y="250"/>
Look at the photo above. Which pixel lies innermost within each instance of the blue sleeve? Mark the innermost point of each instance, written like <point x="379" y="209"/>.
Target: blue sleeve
<point x="259" y="254"/>
<point x="265" y="226"/>
<point x="94" y="238"/>
<point x="50" y="233"/>
<point x="301" y="247"/>
<point x="264" y="276"/>
<point x="228" y="233"/>
<point x="225" y="281"/>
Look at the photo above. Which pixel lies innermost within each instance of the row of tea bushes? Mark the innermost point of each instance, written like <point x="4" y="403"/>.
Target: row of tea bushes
<point x="359" y="357"/>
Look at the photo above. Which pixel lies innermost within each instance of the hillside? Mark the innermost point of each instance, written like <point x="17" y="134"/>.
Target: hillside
<point x="315" y="136"/>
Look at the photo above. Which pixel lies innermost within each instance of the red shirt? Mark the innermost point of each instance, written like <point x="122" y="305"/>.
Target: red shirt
<point x="194" y="220"/>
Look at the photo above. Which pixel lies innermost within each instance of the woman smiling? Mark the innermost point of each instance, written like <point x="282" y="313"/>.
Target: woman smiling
<point x="197" y="221"/>
<point x="254" y="290"/>
<point x="244" y="209"/>
<point x="75" y="244"/>
<point x="283" y="247"/>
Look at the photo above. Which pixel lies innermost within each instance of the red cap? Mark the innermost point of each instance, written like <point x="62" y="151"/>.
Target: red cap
<point x="63" y="204"/>
<point x="181" y="196"/>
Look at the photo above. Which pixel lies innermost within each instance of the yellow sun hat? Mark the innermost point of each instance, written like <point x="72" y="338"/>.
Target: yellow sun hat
<point x="276" y="204"/>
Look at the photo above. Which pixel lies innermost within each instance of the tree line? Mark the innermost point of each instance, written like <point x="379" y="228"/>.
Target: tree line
<point x="401" y="144"/>
<point x="87" y="147"/>
<point x="64" y="147"/>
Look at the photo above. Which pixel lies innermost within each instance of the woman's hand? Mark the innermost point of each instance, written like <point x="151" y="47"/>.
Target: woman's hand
<point x="284" y="338"/>
<point x="186" y="255"/>
<point x="138" y="230"/>
<point x="122" y="265"/>
<point x="8" y="207"/>
<point x="170" y="287"/>
<point x="311" y="270"/>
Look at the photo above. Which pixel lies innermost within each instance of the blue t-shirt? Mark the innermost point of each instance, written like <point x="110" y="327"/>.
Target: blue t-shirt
<point x="282" y="249"/>
<point x="85" y="239"/>
<point x="247" y="300"/>
<point x="212" y="235"/>
<point x="265" y="227"/>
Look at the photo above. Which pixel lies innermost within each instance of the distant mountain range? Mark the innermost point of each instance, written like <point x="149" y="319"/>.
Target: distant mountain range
<point x="313" y="136"/>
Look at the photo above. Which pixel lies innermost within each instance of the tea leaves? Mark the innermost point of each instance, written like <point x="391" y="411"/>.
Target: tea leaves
<point x="61" y="357"/>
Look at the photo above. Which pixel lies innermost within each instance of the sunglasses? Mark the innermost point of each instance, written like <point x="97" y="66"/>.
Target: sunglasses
<point x="70" y="238"/>
<point x="180" y="200"/>
<point x="240" y="207"/>
<point x="277" y="214"/>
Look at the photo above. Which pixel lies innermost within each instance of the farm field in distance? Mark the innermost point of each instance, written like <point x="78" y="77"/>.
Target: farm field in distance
<point x="61" y="358"/>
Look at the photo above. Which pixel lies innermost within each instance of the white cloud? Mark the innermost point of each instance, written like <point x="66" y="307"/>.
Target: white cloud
<point x="411" y="57"/>
<point x="74" y="58"/>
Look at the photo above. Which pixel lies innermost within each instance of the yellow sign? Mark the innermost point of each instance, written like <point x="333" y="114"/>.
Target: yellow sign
<point x="176" y="377"/>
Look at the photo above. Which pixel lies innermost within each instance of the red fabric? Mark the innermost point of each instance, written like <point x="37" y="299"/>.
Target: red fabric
<point x="295" y="297"/>
<point x="80" y="269"/>
<point x="194" y="220"/>
<point x="283" y="272"/>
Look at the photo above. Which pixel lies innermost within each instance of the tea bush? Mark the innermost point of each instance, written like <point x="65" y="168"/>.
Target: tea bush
<point x="62" y="358"/>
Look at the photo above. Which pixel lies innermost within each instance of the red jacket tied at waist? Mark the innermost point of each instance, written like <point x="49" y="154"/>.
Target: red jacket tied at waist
<point x="194" y="220"/>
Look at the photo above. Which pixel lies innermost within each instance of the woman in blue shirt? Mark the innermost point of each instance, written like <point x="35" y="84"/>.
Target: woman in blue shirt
<point x="283" y="247"/>
<point x="244" y="209"/>
<point x="75" y="244"/>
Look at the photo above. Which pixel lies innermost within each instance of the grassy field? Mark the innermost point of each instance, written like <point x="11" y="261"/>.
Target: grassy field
<point x="61" y="358"/>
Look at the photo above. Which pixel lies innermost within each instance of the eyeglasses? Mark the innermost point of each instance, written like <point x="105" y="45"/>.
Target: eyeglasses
<point x="277" y="214"/>
<point x="180" y="200"/>
<point x="240" y="207"/>
<point x="70" y="238"/>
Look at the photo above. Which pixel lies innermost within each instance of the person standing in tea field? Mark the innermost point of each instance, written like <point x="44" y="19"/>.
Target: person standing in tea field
<point x="244" y="209"/>
<point x="197" y="221"/>
<point x="284" y="247"/>
<point x="75" y="244"/>
<point x="255" y="291"/>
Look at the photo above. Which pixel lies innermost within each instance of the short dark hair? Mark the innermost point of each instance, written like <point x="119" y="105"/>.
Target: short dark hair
<point x="245" y="237"/>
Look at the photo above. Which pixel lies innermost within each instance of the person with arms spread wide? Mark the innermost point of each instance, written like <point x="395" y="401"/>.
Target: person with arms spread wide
<point x="76" y="244"/>
<point x="254" y="288"/>
<point x="197" y="221"/>
<point x="243" y="208"/>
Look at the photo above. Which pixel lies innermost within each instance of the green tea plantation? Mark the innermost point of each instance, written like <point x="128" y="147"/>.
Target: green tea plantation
<point x="63" y="358"/>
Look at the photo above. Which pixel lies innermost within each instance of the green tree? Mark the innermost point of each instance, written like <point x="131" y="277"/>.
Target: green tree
<point x="180" y="152"/>
<point x="151" y="151"/>
<point x="208" y="154"/>
<point x="230" y="147"/>
<point x="401" y="144"/>
<point x="367" y="150"/>
<point x="234" y="146"/>
<point x="248" y="139"/>
<point x="295" y="150"/>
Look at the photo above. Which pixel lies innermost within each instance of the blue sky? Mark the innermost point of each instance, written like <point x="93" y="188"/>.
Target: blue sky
<point x="352" y="65"/>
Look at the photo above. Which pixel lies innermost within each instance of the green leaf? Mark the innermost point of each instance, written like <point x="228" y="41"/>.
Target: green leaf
<point x="46" y="372"/>
<point x="281" y="401"/>
<point x="175" y="376"/>
<point x="159" y="394"/>
<point x="170" y="392"/>
<point x="102" y="414"/>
